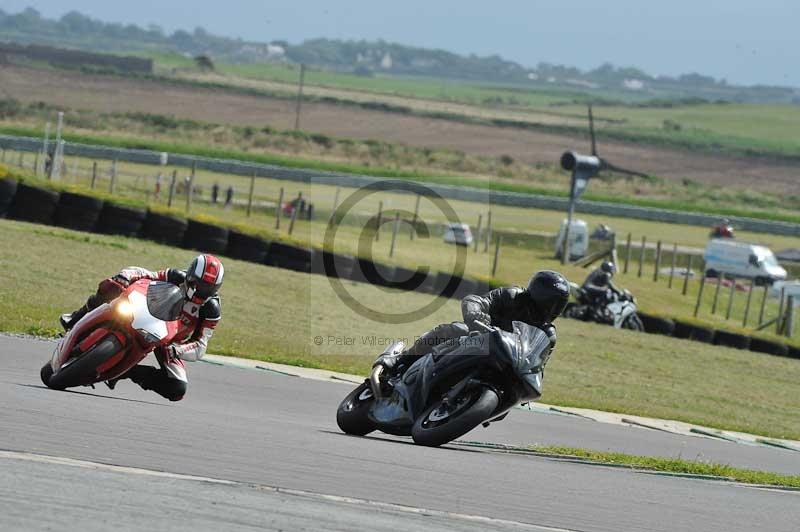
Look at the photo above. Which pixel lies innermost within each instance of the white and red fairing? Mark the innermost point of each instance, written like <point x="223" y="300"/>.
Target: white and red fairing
<point x="128" y="318"/>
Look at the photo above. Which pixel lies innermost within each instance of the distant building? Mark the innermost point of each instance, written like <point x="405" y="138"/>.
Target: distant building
<point x="633" y="84"/>
<point x="386" y="62"/>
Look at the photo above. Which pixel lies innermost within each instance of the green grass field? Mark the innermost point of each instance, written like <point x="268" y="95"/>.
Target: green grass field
<point x="273" y="314"/>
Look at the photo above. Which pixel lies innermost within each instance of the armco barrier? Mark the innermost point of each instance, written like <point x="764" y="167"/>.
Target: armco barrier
<point x="234" y="167"/>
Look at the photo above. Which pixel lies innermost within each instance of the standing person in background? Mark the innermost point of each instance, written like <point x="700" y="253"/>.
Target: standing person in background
<point x="215" y="193"/>
<point x="158" y="187"/>
<point x="229" y="196"/>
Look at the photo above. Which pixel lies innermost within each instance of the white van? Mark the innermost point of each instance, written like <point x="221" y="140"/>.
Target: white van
<point x="742" y="259"/>
<point x="459" y="234"/>
<point x="578" y="239"/>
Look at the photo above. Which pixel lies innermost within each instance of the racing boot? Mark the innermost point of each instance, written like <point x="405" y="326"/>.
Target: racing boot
<point x="68" y="321"/>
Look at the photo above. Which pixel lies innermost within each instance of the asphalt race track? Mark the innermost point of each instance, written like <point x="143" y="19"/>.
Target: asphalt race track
<point x="253" y="450"/>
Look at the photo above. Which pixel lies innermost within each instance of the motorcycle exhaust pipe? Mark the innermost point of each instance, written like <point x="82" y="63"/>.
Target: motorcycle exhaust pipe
<point x="375" y="381"/>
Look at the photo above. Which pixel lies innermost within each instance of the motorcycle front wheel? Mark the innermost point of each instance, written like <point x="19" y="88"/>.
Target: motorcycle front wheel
<point x="83" y="371"/>
<point x="352" y="414"/>
<point x="444" y="422"/>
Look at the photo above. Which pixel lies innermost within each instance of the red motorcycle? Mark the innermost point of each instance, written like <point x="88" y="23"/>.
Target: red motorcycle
<point x="116" y="336"/>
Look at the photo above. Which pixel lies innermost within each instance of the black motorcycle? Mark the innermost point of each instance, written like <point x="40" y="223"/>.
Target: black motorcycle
<point x="452" y="390"/>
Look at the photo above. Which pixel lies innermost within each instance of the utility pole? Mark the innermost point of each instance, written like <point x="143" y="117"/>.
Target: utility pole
<point x="300" y="96"/>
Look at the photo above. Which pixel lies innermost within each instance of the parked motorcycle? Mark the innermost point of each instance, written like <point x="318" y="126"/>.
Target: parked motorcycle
<point x="619" y="311"/>
<point x="449" y="392"/>
<point x="116" y="336"/>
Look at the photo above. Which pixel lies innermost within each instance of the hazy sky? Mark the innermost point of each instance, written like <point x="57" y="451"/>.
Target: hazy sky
<point x="742" y="41"/>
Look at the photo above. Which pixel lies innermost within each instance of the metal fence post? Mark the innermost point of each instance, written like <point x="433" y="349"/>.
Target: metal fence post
<point x="292" y="219"/>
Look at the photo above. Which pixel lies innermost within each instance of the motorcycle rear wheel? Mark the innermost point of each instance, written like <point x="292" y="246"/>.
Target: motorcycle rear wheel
<point x="440" y="423"/>
<point x="352" y="414"/>
<point x="82" y="371"/>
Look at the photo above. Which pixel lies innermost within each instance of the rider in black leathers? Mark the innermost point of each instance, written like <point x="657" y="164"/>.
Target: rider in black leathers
<point x="539" y="304"/>
<point x="598" y="286"/>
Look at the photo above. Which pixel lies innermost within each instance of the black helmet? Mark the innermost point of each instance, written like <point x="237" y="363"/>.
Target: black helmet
<point x="608" y="267"/>
<point x="549" y="292"/>
<point x="204" y="278"/>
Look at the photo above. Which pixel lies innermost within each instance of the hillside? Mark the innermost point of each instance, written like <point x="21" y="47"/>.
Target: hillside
<point x="371" y="58"/>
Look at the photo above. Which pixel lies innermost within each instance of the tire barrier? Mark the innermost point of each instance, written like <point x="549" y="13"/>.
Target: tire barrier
<point x="247" y="247"/>
<point x="406" y="279"/>
<point x="483" y="288"/>
<point x="289" y="257"/>
<point x="769" y="347"/>
<point x="121" y="220"/>
<point x="682" y="330"/>
<point x="794" y="352"/>
<point x="332" y="264"/>
<point x="656" y="325"/>
<point x="729" y="339"/>
<point x="465" y="288"/>
<point x="8" y="189"/>
<point x="366" y="271"/>
<point x="205" y="237"/>
<point x="33" y="204"/>
<point x="446" y="284"/>
<point x="78" y="212"/>
<point x="703" y="334"/>
<point x="164" y="229"/>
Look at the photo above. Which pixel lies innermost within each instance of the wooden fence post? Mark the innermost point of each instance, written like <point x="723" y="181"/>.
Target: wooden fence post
<point x="190" y="188"/>
<point x="658" y="261"/>
<point x="672" y="267"/>
<point x="335" y="206"/>
<point x="478" y="232"/>
<point x="94" y="174"/>
<point x="252" y="190"/>
<point x="395" y="227"/>
<point x="747" y="305"/>
<point x="641" y="256"/>
<point x="498" y="240"/>
<point x="700" y="295"/>
<point x="172" y="184"/>
<point x="779" y="321"/>
<point x="293" y="218"/>
<point x="379" y="221"/>
<point x="279" y="209"/>
<point x="416" y="216"/>
<point x="686" y="274"/>
<point x="113" y="177"/>
<point x="788" y="327"/>
<point x="730" y="299"/>
<point x="763" y="305"/>
<point x="488" y="231"/>
<point x="716" y="293"/>
<point x="627" y="253"/>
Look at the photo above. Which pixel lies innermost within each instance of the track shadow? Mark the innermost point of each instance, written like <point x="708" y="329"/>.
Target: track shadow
<point x="39" y="386"/>
<point x="408" y="441"/>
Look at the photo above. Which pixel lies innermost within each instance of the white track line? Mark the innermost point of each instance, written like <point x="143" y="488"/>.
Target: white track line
<point x="97" y="466"/>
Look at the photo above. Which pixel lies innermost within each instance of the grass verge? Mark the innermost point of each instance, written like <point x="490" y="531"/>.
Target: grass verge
<point x="288" y="317"/>
<point x="674" y="465"/>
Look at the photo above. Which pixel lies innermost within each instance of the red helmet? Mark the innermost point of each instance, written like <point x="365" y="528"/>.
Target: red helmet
<point x="204" y="278"/>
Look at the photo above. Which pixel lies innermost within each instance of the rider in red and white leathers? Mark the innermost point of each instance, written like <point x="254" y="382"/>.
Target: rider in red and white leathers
<point x="201" y="315"/>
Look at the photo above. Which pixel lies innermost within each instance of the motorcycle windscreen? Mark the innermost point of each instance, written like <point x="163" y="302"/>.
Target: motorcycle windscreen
<point x="164" y="301"/>
<point x="529" y="348"/>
